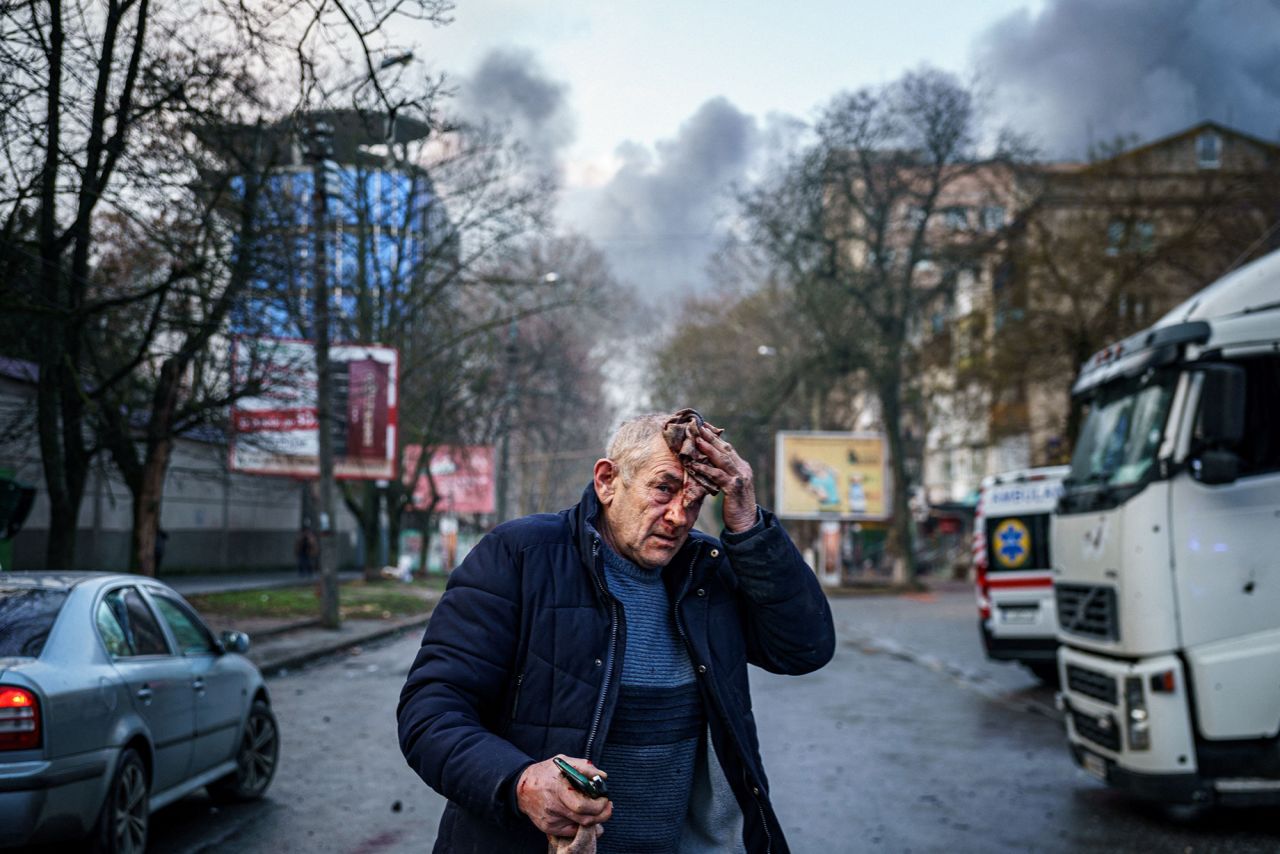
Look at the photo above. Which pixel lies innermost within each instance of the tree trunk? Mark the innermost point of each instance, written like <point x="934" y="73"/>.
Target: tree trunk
<point x="147" y="501"/>
<point x="370" y="528"/>
<point x="395" y="512"/>
<point x="66" y="463"/>
<point x="900" y="543"/>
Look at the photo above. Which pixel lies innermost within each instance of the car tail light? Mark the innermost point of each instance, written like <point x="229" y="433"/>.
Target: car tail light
<point x="19" y="719"/>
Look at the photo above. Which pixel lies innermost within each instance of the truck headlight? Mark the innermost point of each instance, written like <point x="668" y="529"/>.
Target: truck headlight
<point x="1137" y="724"/>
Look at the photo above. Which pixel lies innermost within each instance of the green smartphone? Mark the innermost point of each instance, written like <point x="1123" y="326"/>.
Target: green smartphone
<point x="592" y="787"/>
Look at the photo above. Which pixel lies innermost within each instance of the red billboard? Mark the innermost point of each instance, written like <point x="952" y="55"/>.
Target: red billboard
<point x="276" y="432"/>
<point x="463" y="477"/>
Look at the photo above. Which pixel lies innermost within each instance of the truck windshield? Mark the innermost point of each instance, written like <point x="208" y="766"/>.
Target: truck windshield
<point x="1122" y="433"/>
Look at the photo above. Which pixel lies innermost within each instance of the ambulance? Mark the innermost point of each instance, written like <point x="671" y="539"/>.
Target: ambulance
<point x="1013" y="574"/>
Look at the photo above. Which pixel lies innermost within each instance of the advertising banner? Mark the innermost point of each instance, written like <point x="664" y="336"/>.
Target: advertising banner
<point x="463" y="475"/>
<point x="276" y="431"/>
<point x="834" y="476"/>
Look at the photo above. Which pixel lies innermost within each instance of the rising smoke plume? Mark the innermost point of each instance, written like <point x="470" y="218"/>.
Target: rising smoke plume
<point x="510" y="88"/>
<point x="660" y="217"/>
<point x="1082" y="72"/>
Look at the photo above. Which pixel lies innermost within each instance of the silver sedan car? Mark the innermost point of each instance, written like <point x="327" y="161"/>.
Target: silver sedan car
<point x="116" y="700"/>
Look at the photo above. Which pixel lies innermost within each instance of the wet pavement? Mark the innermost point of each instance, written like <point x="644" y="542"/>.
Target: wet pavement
<point x="908" y="741"/>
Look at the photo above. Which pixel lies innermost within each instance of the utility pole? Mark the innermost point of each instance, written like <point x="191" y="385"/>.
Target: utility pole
<point x="508" y="404"/>
<point x="319" y="151"/>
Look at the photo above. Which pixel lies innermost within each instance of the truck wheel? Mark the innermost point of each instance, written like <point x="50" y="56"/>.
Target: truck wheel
<point x="255" y="758"/>
<point x="126" y="813"/>
<point x="1045" y="671"/>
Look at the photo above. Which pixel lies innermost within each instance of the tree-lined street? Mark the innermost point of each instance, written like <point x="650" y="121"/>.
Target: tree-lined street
<point x="908" y="741"/>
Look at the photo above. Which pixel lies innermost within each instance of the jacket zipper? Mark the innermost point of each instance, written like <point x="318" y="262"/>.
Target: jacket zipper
<point x="608" y="664"/>
<point x="764" y="822"/>
<point x="515" y="702"/>
<point x="675" y="607"/>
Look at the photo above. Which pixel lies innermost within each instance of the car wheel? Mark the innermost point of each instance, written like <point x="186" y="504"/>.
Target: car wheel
<point x="255" y="758"/>
<point x="123" y="823"/>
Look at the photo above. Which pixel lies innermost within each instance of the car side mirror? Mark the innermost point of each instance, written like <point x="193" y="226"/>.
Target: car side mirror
<point x="237" y="642"/>
<point x="1221" y="405"/>
<point x="1214" y="467"/>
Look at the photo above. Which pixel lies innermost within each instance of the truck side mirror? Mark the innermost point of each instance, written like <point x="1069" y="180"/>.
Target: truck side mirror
<point x="1215" y="467"/>
<point x="1222" y="405"/>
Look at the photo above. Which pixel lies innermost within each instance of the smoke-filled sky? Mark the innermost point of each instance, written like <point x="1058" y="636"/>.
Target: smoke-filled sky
<point x="652" y="111"/>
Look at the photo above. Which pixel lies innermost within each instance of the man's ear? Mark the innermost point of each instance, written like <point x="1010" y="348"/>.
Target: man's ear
<point x="606" y="476"/>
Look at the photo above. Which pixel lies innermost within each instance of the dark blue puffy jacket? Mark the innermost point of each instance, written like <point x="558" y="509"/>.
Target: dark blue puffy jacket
<point x="523" y="654"/>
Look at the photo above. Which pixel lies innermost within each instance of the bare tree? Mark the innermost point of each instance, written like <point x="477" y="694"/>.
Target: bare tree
<point x="85" y="89"/>
<point x="868" y="228"/>
<point x="1111" y="245"/>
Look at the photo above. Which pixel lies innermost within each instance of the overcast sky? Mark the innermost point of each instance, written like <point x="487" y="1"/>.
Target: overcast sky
<point x="652" y="110"/>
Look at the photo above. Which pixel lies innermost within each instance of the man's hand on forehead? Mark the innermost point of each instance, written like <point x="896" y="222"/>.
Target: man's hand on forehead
<point x="727" y="471"/>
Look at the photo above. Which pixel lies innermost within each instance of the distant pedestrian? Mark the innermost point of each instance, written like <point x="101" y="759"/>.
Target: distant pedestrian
<point x="162" y="539"/>
<point x="305" y="549"/>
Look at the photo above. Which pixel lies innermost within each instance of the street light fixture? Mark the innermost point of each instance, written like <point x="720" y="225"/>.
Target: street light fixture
<point x="399" y="59"/>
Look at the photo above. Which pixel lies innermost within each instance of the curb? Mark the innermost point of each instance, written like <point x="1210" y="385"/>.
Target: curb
<point x="286" y="627"/>
<point x="275" y="666"/>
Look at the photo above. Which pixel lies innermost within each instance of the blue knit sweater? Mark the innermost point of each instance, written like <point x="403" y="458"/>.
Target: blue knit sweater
<point x="652" y="742"/>
<point x="668" y="790"/>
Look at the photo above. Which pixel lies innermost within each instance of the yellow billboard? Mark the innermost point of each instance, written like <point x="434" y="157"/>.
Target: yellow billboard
<point x="823" y="475"/>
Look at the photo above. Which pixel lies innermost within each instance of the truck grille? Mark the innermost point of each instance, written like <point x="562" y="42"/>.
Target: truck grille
<point x="1102" y="734"/>
<point x="1087" y="610"/>
<point x="1093" y="684"/>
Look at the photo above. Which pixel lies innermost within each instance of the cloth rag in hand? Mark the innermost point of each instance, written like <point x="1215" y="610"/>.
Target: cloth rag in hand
<point x="582" y="842"/>
<point x="680" y="431"/>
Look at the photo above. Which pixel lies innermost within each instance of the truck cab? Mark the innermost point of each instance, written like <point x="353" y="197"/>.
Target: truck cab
<point x="1013" y="576"/>
<point x="1166" y="552"/>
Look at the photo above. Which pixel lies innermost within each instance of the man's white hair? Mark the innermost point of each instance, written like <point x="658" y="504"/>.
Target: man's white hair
<point x="632" y="442"/>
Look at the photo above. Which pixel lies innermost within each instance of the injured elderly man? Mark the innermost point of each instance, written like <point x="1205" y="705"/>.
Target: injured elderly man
<point x="582" y="685"/>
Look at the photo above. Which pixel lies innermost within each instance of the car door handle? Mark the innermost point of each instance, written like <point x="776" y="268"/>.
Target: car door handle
<point x="144" y="694"/>
<point x="198" y="685"/>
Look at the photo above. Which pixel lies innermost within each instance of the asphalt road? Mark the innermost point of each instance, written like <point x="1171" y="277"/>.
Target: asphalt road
<point x="908" y="741"/>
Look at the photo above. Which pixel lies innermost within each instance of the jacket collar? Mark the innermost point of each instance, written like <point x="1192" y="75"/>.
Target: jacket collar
<point x="584" y="522"/>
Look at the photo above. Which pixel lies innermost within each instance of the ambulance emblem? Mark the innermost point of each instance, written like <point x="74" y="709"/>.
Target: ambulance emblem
<point x="1012" y="544"/>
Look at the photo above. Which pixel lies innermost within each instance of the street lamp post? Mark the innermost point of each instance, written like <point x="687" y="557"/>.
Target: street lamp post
<point x="508" y="407"/>
<point x="508" y="404"/>
<point x="319" y="151"/>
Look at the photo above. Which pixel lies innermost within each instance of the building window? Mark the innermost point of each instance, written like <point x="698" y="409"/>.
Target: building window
<point x="956" y="218"/>
<point x="1115" y="237"/>
<point x="1139" y="237"/>
<point x="1144" y="237"/>
<point x="993" y="218"/>
<point x="1209" y="150"/>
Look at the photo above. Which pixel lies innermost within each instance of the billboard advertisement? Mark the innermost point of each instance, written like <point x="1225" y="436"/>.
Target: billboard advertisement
<point x="836" y="476"/>
<point x="275" y="431"/>
<point x="463" y="476"/>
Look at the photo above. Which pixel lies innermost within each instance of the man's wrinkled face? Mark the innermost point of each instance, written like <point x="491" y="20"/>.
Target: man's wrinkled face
<point x="645" y="514"/>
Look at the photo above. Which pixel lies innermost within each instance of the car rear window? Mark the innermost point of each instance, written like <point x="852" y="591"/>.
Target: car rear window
<point x="26" y="617"/>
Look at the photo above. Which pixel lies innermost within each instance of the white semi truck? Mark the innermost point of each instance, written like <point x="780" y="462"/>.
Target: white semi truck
<point x="1167" y="553"/>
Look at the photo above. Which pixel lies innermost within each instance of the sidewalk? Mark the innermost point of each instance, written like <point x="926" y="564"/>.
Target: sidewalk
<point x="298" y="645"/>
<point x="220" y="582"/>
<point x="279" y="644"/>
